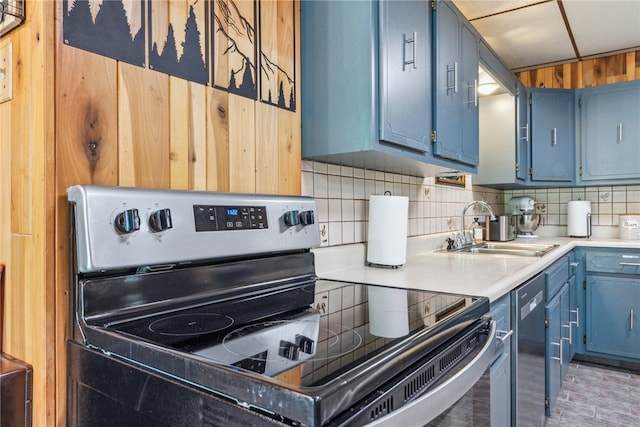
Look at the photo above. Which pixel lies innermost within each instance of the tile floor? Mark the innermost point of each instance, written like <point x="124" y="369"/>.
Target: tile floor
<point x="597" y="396"/>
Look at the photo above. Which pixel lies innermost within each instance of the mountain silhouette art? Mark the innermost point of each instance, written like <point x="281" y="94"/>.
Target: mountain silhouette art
<point x="109" y="36"/>
<point x="191" y="65"/>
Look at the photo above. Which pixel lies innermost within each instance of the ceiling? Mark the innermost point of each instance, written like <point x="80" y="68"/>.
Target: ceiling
<point x="529" y="34"/>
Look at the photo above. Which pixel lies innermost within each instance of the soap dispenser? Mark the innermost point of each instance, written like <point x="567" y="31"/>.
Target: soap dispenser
<point x="476" y="231"/>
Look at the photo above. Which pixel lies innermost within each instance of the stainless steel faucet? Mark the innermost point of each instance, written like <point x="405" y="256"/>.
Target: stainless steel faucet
<point x="472" y="203"/>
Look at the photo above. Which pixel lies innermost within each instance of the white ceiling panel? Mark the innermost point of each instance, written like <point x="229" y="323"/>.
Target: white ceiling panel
<point x="532" y="33"/>
<point x="603" y="26"/>
<point x="529" y="36"/>
<point x="473" y="9"/>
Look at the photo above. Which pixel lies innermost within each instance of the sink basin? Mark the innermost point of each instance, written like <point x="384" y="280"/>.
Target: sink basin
<point x="502" y="248"/>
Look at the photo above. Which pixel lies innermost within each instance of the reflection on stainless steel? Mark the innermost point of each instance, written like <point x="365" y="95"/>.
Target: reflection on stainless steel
<point x="218" y="321"/>
<point x="492" y="248"/>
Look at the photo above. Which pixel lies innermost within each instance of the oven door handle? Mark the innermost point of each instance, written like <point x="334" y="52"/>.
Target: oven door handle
<point x="427" y="407"/>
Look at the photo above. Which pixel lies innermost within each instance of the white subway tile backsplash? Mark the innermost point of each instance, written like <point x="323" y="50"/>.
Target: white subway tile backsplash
<point x="347" y="187"/>
<point x="334" y="186"/>
<point x="342" y="198"/>
<point x="320" y="186"/>
<point x="347" y="210"/>
<point x="335" y="210"/>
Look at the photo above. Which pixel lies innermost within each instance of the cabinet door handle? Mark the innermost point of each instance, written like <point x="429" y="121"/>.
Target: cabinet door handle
<point x="570" y="334"/>
<point x="559" y="344"/>
<point x="414" y="42"/>
<point x="631" y="320"/>
<point x="475" y="93"/>
<point x="453" y="70"/>
<point x="554" y="136"/>
<point x="526" y="132"/>
<point x="630" y="264"/>
<point x="472" y="99"/>
<point x="619" y="133"/>
<point x="577" y="321"/>
<point x="503" y="335"/>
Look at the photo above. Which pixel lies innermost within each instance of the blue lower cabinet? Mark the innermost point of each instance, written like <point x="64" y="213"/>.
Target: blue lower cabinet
<point x="553" y="351"/>
<point x="613" y="315"/>
<point x="501" y="367"/>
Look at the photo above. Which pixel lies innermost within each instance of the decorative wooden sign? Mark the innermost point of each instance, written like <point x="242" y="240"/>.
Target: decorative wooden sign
<point x="245" y="47"/>
<point x="110" y="28"/>
<point x="235" y="47"/>
<point x="178" y="42"/>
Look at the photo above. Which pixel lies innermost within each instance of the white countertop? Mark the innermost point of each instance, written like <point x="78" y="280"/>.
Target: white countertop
<point x="469" y="274"/>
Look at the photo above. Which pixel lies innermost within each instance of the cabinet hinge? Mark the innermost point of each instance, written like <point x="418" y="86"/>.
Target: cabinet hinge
<point x="579" y="102"/>
<point x="517" y="167"/>
<point x="530" y="171"/>
<point x="584" y="339"/>
<point x="547" y="402"/>
<point x="434" y="136"/>
<point x="584" y="284"/>
<point x="530" y="101"/>
<point x="546" y="322"/>
<point x="580" y="171"/>
<point x="434" y="6"/>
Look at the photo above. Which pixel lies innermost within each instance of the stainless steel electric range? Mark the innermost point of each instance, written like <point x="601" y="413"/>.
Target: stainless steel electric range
<point x="202" y="308"/>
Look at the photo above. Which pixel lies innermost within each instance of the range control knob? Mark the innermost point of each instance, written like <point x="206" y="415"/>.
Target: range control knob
<point x="305" y="344"/>
<point x="289" y="350"/>
<point x="307" y="218"/>
<point x="128" y="221"/>
<point x="291" y="218"/>
<point x="160" y="220"/>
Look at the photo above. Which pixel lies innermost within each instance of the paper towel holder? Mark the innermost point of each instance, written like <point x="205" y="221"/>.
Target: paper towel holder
<point x="387" y="230"/>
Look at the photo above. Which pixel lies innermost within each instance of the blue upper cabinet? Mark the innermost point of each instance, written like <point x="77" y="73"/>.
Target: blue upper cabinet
<point x="552" y="136"/>
<point x="455" y="91"/>
<point x="405" y="74"/>
<point x="609" y="134"/>
<point x="366" y="85"/>
<point x="523" y="132"/>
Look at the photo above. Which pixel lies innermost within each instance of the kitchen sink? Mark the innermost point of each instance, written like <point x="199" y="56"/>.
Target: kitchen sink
<point x="504" y="248"/>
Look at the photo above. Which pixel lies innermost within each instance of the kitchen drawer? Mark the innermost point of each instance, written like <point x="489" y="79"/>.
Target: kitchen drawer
<point x="500" y="312"/>
<point x="623" y="262"/>
<point x="573" y="263"/>
<point x="556" y="276"/>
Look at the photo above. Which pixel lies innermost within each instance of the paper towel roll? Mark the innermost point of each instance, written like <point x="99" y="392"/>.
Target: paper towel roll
<point x="387" y="231"/>
<point x="579" y="218"/>
<point x="388" y="312"/>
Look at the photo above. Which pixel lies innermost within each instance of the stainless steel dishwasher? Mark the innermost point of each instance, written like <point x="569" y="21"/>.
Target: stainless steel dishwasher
<point x="527" y="315"/>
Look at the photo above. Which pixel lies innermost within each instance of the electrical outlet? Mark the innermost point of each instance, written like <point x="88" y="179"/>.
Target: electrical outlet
<point x="605" y="196"/>
<point x="6" y="74"/>
<point x="321" y="302"/>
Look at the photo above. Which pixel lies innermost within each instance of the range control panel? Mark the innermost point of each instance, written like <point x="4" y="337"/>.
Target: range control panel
<point x="122" y="227"/>
<point x="215" y="218"/>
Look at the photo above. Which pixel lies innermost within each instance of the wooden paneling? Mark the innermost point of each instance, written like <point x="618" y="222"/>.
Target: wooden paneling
<point x="217" y="140"/>
<point x="592" y="72"/>
<point x="21" y="161"/>
<point x="143" y="127"/>
<point x="27" y="194"/>
<point x="80" y="118"/>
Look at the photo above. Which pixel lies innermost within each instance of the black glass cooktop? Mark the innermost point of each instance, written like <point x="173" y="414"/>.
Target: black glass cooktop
<point x="323" y="328"/>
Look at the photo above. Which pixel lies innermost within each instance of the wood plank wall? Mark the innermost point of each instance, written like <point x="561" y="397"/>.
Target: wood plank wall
<point x="80" y="118"/>
<point x="131" y="126"/>
<point x="26" y="198"/>
<point x="593" y="72"/>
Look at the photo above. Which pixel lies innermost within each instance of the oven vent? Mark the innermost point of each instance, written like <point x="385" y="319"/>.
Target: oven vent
<point x="419" y="381"/>
<point x="451" y="356"/>
<point x="382" y="409"/>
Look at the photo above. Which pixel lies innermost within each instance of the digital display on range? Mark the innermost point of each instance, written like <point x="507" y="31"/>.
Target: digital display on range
<point x="224" y="218"/>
